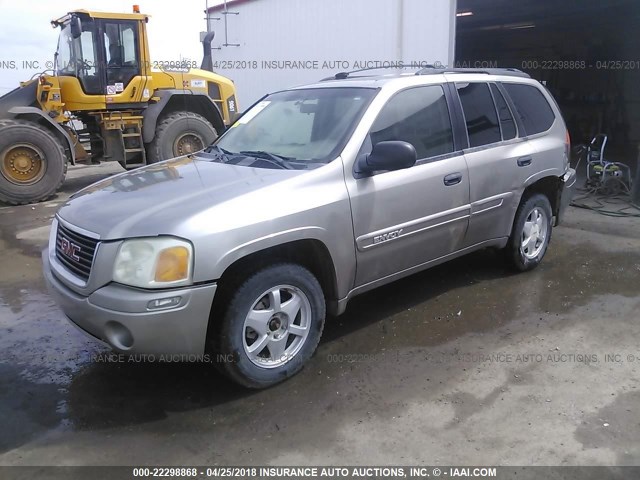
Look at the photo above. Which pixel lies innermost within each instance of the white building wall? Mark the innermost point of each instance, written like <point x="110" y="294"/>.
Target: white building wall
<point x="325" y="37"/>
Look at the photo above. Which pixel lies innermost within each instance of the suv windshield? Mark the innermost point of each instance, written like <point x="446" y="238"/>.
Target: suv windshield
<point x="297" y="126"/>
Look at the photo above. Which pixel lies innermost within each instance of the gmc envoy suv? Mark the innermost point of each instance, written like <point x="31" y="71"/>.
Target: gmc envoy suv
<point x="316" y="194"/>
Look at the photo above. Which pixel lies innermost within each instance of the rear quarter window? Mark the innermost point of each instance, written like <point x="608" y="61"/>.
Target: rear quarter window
<point x="531" y="106"/>
<point x="507" y="123"/>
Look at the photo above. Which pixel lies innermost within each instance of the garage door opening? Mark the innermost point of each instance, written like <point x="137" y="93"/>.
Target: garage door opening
<point x="587" y="54"/>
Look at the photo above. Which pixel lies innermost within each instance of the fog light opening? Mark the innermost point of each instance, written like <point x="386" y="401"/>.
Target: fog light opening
<point x="118" y="335"/>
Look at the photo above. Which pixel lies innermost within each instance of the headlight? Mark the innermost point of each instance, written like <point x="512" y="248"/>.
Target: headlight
<point x="154" y="262"/>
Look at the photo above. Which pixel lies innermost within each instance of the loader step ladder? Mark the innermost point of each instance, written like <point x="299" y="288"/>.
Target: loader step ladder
<point x="134" y="152"/>
<point x="123" y="137"/>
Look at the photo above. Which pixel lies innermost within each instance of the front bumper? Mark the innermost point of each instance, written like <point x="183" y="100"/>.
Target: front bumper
<point x="118" y="316"/>
<point x="568" y="189"/>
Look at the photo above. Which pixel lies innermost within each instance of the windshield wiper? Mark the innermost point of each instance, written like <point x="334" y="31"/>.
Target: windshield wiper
<point x="216" y="148"/>
<point x="282" y="162"/>
<point x="221" y="154"/>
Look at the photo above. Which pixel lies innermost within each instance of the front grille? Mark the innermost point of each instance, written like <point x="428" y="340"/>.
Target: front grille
<point x="75" y="251"/>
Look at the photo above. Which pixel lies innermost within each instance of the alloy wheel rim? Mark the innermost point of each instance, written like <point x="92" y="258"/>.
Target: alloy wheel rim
<point x="534" y="233"/>
<point x="276" y="326"/>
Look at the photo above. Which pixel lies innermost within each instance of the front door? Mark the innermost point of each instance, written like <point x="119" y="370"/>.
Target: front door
<point x="122" y="59"/>
<point x="405" y="218"/>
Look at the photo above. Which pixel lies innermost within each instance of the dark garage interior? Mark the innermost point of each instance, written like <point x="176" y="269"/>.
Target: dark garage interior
<point x="586" y="52"/>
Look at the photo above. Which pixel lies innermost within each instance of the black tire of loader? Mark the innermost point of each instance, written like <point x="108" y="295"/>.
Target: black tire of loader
<point x="170" y="127"/>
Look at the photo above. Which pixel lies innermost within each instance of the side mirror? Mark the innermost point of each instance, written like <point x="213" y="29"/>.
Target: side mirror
<point x="76" y="27"/>
<point x="389" y="155"/>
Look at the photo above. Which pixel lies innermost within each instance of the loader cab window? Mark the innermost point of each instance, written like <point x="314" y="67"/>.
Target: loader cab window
<point x="77" y="57"/>
<point x="121" y="53"/>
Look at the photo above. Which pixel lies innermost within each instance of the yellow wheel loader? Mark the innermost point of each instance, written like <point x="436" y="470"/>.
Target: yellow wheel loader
<point x="106" y="100"/>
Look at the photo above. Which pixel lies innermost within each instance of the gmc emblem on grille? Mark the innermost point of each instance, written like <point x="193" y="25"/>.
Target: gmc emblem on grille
<point x="70" y="249"/>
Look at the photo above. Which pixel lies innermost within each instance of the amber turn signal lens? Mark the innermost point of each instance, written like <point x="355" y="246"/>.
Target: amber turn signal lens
<point x="172" y="265"/>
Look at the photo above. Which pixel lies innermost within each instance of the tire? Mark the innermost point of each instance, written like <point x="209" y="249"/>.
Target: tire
<point x="526" y="248"/>
<point x="195" y="130"/>
<point x="44" y="162"/>
<point x="282" y="352"/>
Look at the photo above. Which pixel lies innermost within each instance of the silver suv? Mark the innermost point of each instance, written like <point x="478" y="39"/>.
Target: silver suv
<point x="235" y="254"/>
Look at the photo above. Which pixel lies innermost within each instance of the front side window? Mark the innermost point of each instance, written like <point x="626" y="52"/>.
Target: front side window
<point x="479" y="113"/>
<point x="419" y="116"/>
<point x="532" y="107"/>
<point x="302" y="125"/>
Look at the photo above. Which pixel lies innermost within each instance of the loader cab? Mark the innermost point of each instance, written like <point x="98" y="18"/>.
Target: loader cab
<point x="101" y="59"/>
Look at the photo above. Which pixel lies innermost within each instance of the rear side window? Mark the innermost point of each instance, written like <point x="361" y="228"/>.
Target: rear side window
<point x="419" y="116"/>
<point x="531" y="106"/>
<point x="479" y="113"/>
<point x="507" y="124"/>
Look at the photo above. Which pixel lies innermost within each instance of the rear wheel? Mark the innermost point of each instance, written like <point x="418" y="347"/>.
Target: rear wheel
<point x="531" y="233"/>
<point x="33" y="163"/>
<point x="271" y="327"/>
<point x="180" y="133"/>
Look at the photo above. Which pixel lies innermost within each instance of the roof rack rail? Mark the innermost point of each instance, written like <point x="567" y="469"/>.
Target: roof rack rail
<point x="343" y="75"/>
<point x="511" y="72"/>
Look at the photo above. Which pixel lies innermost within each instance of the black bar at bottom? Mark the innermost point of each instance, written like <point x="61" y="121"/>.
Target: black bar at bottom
<point x="304" y="472"/>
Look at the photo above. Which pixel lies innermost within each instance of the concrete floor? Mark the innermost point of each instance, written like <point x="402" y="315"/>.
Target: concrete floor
<point x="464" y="364"/>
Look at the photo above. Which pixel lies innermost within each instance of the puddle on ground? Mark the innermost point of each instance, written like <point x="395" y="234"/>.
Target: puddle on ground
<point x="20" y="272"/>
<point x="477" y="293"/>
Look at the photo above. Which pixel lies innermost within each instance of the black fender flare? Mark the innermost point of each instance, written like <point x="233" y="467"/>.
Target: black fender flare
<point x="46" y="121"/>
<point x="206" y="107"/>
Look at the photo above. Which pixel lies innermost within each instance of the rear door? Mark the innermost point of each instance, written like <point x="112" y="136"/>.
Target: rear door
<point x="405" y="218"/>
<point x="498" y="157"/>
<point x="546" y="132"/>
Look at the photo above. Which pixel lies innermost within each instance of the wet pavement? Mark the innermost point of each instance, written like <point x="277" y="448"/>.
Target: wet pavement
<point x="466" y="363"/>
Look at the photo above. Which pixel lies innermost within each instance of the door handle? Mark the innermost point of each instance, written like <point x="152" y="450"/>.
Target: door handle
<point x="452" y="179"/>
<point x="524" y="161"/>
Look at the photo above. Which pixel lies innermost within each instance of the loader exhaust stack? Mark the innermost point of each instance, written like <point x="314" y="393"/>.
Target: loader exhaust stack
<point x="207" y="62"/>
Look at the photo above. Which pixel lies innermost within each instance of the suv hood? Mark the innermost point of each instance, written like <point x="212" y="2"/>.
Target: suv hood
<point x="157" y="198"/>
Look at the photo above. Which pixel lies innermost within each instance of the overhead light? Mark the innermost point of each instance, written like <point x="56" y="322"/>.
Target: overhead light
<point x="464" y="14"/>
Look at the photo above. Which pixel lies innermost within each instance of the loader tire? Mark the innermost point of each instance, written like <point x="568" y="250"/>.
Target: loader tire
<point x="33" y="163"/>
<point x="178" y="134"/>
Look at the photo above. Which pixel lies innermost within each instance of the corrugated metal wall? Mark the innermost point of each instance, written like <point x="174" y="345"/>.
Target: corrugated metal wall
<point x="324" y="37"/>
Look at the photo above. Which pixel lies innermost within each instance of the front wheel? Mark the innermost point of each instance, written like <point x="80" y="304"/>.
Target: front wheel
<point x="531" y="233"/>
<point x="271" y="327"/>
